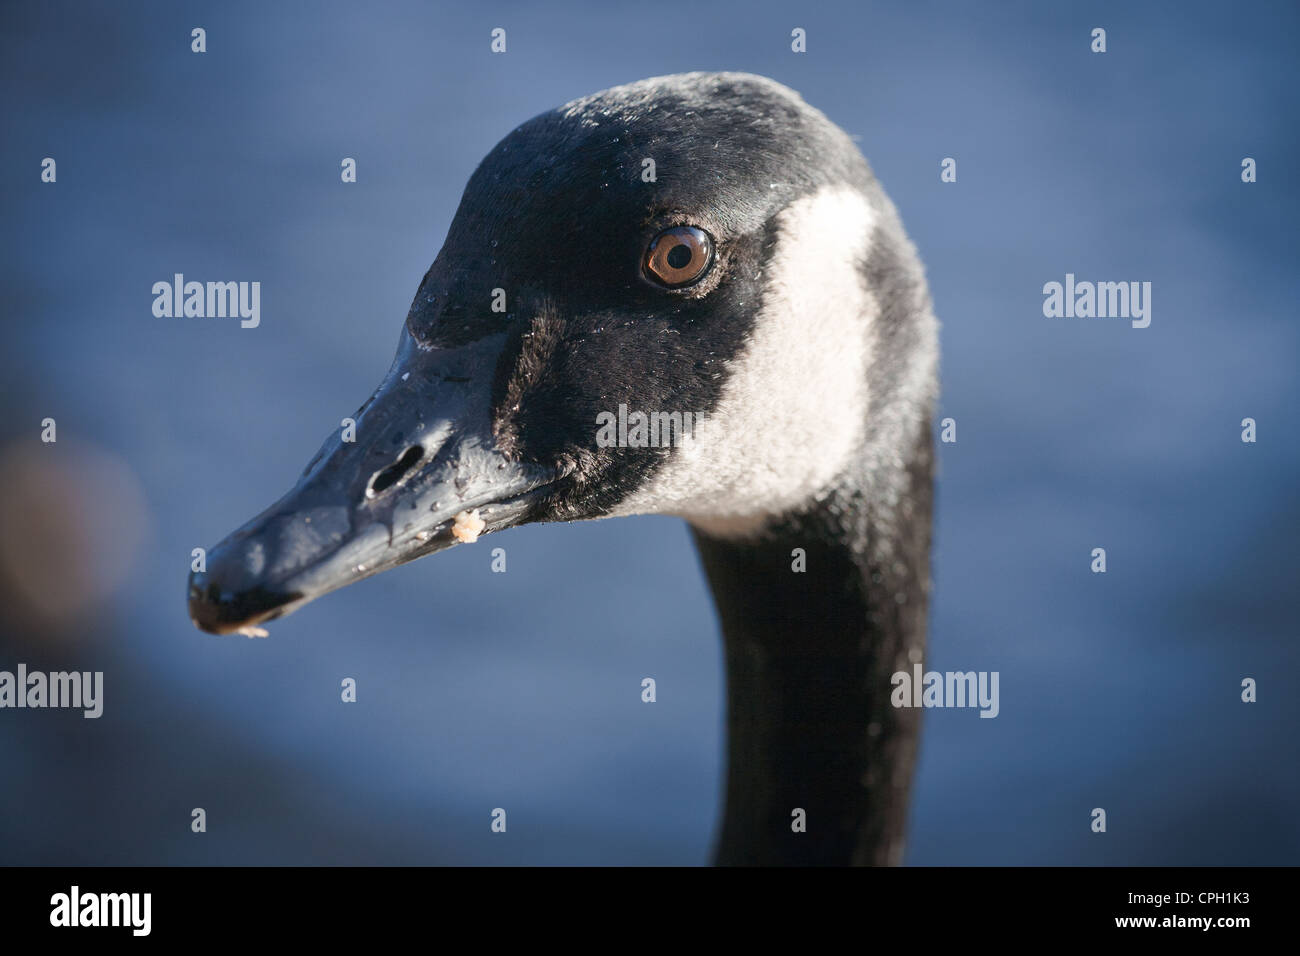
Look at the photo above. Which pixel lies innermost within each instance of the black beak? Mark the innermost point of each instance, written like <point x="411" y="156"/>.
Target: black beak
<point x="422" y="453"/>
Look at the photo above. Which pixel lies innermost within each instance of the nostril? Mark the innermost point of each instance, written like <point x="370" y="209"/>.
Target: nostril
<point x="387" y="477"/>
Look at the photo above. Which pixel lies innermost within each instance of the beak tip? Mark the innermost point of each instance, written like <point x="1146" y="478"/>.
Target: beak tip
<point x="222" y="612"/>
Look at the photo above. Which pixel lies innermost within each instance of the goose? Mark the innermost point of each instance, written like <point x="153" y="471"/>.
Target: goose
<point x="702" y="243"/>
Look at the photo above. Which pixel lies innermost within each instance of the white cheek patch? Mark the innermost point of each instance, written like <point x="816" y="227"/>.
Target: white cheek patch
<point x="793" y="410"/>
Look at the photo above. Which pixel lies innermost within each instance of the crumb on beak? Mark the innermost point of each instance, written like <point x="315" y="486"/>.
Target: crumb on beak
<point x="467" y="526"/>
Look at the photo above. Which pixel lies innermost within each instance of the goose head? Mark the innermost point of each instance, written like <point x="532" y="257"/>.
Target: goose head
<point x="702" y="243"/>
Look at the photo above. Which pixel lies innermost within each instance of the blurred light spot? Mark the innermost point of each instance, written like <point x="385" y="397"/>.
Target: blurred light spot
<point x="72" y="520"/>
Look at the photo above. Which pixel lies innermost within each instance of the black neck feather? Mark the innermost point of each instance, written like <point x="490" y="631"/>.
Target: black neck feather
<point x="809" y="657"/>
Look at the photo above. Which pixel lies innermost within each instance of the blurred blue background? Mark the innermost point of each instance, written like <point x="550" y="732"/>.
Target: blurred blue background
<point x="521" y="690"/>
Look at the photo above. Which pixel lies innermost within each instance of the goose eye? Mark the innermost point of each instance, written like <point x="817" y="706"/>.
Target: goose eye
<point x="679" y="256"/>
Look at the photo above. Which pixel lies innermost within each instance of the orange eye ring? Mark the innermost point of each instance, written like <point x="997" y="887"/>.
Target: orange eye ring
<point x="679" y="256"/>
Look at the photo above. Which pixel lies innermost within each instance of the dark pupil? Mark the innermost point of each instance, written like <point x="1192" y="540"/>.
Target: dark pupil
<point x="679" y="257"/>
